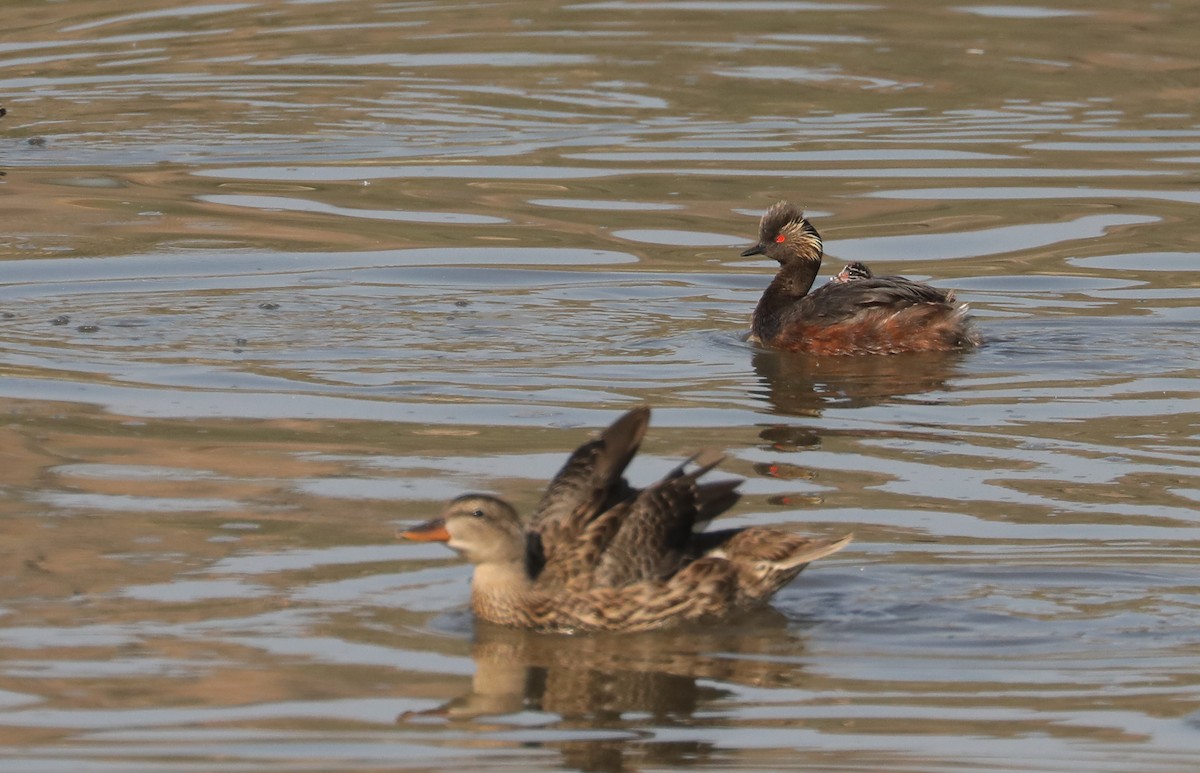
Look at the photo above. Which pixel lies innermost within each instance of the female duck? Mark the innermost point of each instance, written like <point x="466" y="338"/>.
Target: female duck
<point x="859" y="314"/>
<point x="599" y="555"/>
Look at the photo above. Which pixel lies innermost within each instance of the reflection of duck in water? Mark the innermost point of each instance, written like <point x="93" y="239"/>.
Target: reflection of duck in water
<point x="654" y="672"/>
<point x="867" y="315"/>
<point x="616" y="685"/>
<point x="600" y="555"/>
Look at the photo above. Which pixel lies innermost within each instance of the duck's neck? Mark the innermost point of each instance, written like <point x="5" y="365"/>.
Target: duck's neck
<point x="500" y="591"/>
<point x="792" y="283"/>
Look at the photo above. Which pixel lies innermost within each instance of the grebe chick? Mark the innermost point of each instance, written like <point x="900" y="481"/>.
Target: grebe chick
<point x="852" y="271"/>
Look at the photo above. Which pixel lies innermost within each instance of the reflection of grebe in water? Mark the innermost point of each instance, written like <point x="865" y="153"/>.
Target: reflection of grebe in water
<point x="799" y="384"/>
<point x="600" y="555"/>
<point x="865" y="315"/>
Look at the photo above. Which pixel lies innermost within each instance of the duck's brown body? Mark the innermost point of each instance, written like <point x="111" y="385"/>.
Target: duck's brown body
<point x="857" y="314"/>
<point x="598" y="555"/>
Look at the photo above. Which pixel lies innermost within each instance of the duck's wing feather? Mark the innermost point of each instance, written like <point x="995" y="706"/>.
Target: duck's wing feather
<point x="649" y="548"/>
<point x="653" y="537"/>
<point x="591" y="480"/>
<point x="761" y="545"/>
<point x="714" y="499"/>
<point x="765" y="559"/>
<point x="650" y="542"/>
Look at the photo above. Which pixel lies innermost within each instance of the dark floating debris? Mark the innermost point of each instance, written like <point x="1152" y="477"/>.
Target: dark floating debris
<point x="37" y="142"/>
<point x="784" y="471"/>
<point x="88" y="328"/>
<point x="786" y="438"/>
<point x="7" y="315"/>
<point x="268" y="306"/>
<point x="794" y="500"/>
<point x="240" y="342"/>
<point x="61" y="319"/>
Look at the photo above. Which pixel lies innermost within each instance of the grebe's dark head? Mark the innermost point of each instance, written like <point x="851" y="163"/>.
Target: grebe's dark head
<point x="784" y="235"/>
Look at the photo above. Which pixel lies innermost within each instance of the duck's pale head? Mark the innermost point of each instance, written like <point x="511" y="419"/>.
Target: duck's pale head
<point x="483" y="528"/>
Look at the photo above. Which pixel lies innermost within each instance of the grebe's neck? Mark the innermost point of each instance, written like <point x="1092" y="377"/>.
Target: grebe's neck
<point x="792" y="283"/>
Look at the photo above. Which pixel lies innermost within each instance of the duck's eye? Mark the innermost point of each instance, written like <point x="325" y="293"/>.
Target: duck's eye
<point x="780" y="239"/>
<point x="477" y="513"/>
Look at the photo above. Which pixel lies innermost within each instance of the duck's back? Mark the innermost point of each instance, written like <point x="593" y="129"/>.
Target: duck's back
<point x="870" y="316"/>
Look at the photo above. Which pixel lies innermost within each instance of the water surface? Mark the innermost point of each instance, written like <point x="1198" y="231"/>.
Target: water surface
<point x="278" y="278"/>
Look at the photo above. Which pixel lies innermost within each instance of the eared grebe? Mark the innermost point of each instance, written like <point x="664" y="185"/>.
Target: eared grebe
<point x="599" y="555"/>
<point x="858" y="315"/>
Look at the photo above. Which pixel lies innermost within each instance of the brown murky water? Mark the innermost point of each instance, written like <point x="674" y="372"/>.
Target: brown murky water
<point x="278" y="277"/>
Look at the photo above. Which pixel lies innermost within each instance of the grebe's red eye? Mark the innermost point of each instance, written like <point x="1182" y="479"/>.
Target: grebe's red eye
<point x="780" y="239"/>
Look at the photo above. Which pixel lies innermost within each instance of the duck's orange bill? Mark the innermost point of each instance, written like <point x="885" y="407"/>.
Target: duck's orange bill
<point x="432" y="531"/>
